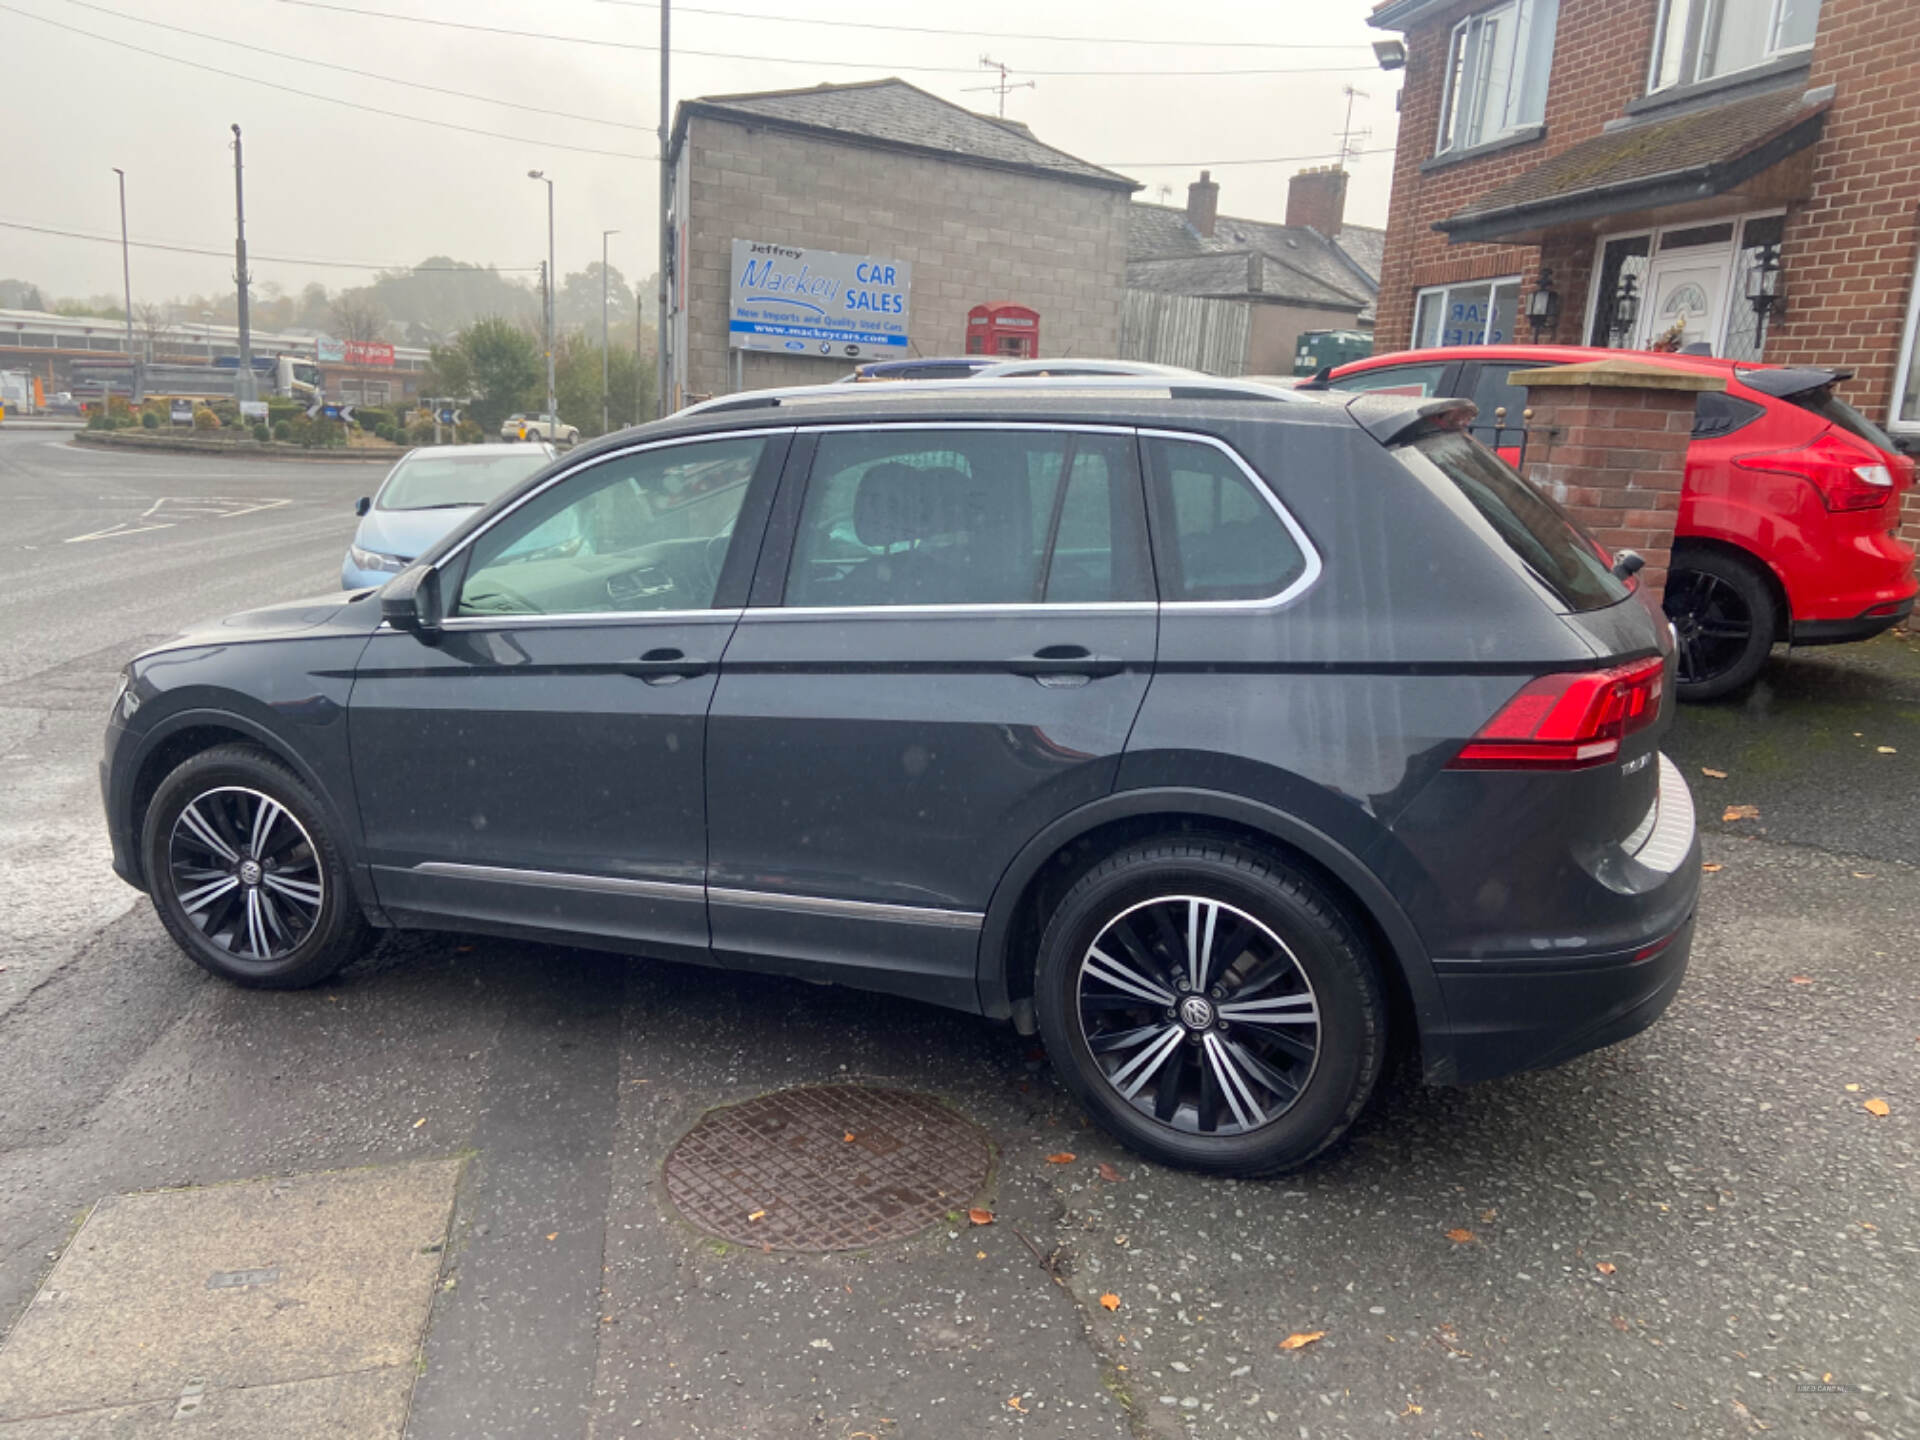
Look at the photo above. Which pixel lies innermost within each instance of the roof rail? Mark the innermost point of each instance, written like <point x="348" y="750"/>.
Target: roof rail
<point x="908" y="391"/>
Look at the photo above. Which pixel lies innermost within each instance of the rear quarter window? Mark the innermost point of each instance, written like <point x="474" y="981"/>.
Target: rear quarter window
<point x="1540" y="536"/>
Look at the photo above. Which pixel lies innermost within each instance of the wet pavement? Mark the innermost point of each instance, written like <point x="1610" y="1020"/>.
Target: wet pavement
<point x="1701" y="1232"/>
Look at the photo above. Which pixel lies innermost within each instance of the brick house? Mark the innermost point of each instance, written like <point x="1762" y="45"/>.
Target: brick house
<point x="1659" y="166"/>
<point x="979" y="207"/>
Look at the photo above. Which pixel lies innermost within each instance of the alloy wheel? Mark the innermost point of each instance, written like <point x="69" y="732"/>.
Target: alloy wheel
<point x="1198" y="1015"/>
<point x="245" y="873"/>
<point x="1712" y="625"/>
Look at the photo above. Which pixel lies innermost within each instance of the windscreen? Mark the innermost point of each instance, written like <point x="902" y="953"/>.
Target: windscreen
<point x="1828" y="406"/>
<point x="1559" y="554"/>
<point x="441" y="482"/>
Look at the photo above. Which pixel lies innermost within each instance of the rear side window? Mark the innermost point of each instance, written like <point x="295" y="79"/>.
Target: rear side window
<point x="1216" y="535"/>
<point x="1542" y="536"/>
<point x="1420" y="380"/>
<point x="1715" y="413"/>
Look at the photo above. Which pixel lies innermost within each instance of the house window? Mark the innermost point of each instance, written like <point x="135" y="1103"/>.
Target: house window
<point x="1905" y="419"/>
<point x="1699" y="39"/>
<point x="1496" y="77"/>
<point x="1479" y="312"/>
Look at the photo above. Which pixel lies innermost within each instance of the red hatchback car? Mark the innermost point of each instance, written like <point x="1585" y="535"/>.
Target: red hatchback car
<point x="1788" y="521"/>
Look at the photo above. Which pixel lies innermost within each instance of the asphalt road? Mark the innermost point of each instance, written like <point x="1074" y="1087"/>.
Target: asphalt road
<point x="1701" y="1232"/>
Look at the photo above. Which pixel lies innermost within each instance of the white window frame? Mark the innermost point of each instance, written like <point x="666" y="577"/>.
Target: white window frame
<point x="1492" y="283"/>
<point x="1903" y="370"/>
<point x="1773" y="52"/>
<point x="1653" y="235"/>
<point x="1519" y="17"/>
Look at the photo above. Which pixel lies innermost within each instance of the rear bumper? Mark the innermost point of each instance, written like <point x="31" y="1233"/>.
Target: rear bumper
<point x="1527" y="1015"/>
<point x="1842" y="632"/>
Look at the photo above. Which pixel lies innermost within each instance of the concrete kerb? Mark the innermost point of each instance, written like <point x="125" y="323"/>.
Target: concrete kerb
<point x="221" y="450"/>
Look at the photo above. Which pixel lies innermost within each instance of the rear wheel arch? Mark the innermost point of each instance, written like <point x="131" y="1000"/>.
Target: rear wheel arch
<point x="1055" y="859"/>
<point x="1705" y="544"/>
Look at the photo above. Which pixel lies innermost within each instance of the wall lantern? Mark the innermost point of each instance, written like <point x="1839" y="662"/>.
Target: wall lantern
<point x="1764" y="291"/>
<point x="1543" y="305"/>
<point x="1626" y="308"/>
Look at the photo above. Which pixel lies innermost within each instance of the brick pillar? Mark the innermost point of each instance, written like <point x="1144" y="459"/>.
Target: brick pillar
<point x="1608" y="439"/>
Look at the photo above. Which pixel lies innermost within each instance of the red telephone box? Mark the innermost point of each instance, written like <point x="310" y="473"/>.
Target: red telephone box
<point x="1003" y="330"/>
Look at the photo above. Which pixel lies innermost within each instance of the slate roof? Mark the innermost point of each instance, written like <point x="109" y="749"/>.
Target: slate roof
<point x="896" y="115"/>
<point x="1691" y="155"/>
<point x="1302" y="264"/>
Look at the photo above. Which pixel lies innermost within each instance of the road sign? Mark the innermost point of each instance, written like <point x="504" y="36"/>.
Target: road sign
<point x="181" y="412"/>
<point x="446" y="416"/>
<point x="253" y="409"/>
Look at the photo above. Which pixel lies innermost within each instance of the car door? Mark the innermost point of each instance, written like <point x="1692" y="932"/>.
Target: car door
<point x="949" y="640"/>
<point x="539" y="765"/>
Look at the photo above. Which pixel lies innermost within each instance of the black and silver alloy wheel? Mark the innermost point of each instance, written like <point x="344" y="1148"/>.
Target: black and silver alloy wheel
<point x="1724" y="621"/>
<point x="1199" y="1015"/>
<point x="245" y="873"/>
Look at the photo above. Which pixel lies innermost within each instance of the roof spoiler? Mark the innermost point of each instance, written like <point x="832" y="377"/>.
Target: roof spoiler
<point x="1792" y="380"/>
<point x="1395" y="419"/>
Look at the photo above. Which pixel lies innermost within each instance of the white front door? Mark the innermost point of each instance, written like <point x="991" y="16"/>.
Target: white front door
<point x="1689" y="290"/>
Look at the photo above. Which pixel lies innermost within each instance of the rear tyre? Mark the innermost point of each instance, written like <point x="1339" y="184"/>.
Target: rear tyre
<point x="1724" y="620"/>
<point x="1210" y="1006"/>
<point x="243" y="874"/>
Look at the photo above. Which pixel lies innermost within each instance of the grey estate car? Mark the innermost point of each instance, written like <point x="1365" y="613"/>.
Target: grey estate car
<point x="1227" y="738"/>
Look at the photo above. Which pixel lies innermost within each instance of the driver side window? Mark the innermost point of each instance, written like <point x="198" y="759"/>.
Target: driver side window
<point x="640" y="532"/>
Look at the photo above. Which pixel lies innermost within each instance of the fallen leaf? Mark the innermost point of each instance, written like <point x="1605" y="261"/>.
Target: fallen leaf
<point x="1861" y="875"/>
<point x="1605" y="1267"/>
<point x="1486" y="1216"/>
<point x="1801" y="979"/>
<point x="757" y="1215"/>
<point x="1109" y="1174"/>
<point x="847" y="1138"/>
<point x="980" y="1217"/>
<point x="1886" y="750"/>
<point x="1711" y="867"/>
<point x="1460" y="1237"/>
<point x="421" y="1121"/>
<point x="1412" y="1409"/>
<point x="1063" y="1157"/>
<point x="1013" y="1403"/>
<point x="1300" y="1339"/>
<point x="1716" y="774"/>
<point x="1110" y="1301"/>
<point x="554" y="1236"/>
<point x="1876" y="1107"/>
<point x="1851" y="1086"/>
<point x="1620" y="1322"/>
<point x="979" y="1254"/>
<point x="1741" y="812"/>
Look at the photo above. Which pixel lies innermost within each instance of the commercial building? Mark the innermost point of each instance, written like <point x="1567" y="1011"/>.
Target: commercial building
<point x="815" y="228"/>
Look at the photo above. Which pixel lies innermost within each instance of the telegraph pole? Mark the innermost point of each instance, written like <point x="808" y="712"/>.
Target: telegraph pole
<point x="666" y="208"/>
<point x="126" y="279"/>
<point x="553" y="419"/>
<point x="243" y="384"/>
<point x="606" y="422"/>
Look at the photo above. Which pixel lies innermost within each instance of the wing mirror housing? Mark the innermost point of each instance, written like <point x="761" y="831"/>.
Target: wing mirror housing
<point x="412" y="601"/>
<point x="363" y="505"/>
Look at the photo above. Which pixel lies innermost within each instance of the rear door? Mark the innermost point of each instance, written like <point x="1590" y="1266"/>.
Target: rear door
<point x="951" y="634"/>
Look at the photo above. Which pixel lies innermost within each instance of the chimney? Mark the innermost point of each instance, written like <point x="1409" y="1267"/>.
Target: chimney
<point x="1318" y="197"/>
<point x="1203" y="204"/>
<point x="1256" y="272"/>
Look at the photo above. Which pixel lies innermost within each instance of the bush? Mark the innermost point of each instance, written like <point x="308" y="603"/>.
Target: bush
<point x="384" y="432"/>
<point x="468" y="432"/>
<point x="279" y="409"/>
<point x="281" y="429"/>
<point x="205" y="419"/>
<point x="149" y="420"/>
<point x="324" y="434"/>
<point x="420" y="433"/>
<point x="262" y="434"/>
<point x="371" y="418"/>
<point x="97" y="420"/>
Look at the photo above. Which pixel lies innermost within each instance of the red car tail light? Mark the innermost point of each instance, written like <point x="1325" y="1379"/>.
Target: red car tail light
<point x="1847" y="476"/>
<point x="1568" y="721"/>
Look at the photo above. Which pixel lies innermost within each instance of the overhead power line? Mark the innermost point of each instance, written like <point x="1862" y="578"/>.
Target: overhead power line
<point x="1358" y="46"/>
<point x="605" y="44"/>
<point x="226" y="253"/>
<point x="315" y="95"/>
<point x="352" y="70"/>
<point x="1216" y="164"/>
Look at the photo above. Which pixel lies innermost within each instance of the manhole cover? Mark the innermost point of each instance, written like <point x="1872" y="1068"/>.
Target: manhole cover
<point x="826" y="1167"/>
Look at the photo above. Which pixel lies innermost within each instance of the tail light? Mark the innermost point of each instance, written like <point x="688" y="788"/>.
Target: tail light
<point x="1847" y="477"/>
<point x="1568" y="721"/>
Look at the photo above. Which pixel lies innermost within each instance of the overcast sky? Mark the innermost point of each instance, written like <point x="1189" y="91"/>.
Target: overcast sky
<point x="330" y="182"/>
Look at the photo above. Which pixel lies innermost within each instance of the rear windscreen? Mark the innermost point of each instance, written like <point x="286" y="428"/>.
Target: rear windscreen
<point x="1555" y="550"/>
<point x="1828" y="406"/>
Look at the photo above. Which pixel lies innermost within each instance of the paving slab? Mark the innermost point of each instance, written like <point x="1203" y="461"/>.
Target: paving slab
<point x="362" y="1406"/>
<point x="179" y="1296"/>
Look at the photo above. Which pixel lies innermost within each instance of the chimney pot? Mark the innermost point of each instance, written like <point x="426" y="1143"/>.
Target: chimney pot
<point x="1203" y="204"/>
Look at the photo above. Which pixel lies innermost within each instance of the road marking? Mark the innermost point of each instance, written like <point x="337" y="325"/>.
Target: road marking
<point x="181" y="507"/>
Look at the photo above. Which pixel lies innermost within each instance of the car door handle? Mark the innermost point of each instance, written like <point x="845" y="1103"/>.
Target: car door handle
<point x="1065" y="660"/>
<point x="665" y="666"/>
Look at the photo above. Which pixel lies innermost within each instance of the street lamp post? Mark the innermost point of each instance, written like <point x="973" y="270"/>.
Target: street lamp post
<point x="606" y="422"/>
<point x="553" y="419"/>
<point x="126" y="279"/>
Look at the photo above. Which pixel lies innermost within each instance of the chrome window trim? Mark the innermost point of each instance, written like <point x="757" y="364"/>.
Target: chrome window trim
<point x="585" y="617"/>
<point x="1301" y="584"/>
<point x="1010" y="608"/>
<point x="563" y="880"/>
<point x="848" y="909"/>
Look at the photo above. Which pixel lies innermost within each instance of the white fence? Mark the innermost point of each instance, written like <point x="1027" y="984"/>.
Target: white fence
<point x="1207" y="335"/>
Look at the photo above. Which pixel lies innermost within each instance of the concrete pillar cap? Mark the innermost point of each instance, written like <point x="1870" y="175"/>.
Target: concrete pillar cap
<point x="1617" y="374"/>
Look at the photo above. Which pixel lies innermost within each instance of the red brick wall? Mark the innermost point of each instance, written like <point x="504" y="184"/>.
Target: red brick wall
<point x="1600" y="54"/>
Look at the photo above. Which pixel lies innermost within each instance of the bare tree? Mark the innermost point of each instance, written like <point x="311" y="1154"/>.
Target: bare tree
<point x="151" y="320"/>
<point x="358" y="317"/>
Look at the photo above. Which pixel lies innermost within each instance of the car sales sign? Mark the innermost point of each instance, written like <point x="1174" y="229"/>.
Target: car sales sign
<point x="817" y="302"/>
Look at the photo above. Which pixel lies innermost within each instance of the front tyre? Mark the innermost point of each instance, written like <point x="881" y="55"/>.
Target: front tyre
<point x="243" y="874"/>
<point x="1211" y="1007"/>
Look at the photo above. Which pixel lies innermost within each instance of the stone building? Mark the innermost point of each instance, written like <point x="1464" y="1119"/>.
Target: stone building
<point x="963" y="209"/>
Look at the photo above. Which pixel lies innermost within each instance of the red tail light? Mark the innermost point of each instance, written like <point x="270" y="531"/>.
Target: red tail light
<point x="1848" y="476"/>
<point x="1568" y="721"/>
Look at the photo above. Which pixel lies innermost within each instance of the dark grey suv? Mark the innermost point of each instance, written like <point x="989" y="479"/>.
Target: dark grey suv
<point x="1225" y="737"/>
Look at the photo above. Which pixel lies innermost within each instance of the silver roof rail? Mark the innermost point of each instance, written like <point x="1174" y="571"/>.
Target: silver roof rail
<point x="905" y="392"/>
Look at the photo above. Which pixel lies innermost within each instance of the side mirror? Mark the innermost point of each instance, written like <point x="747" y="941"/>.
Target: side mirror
<point x="411" y="601"/>
<point x="363" y="504"/>
<point x="1627" y="563"/>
